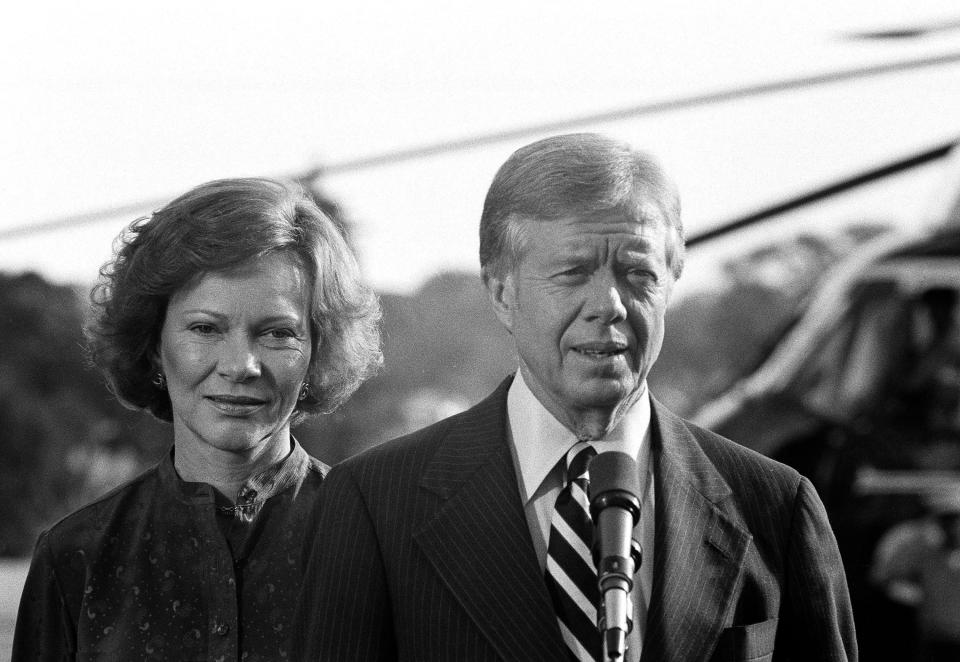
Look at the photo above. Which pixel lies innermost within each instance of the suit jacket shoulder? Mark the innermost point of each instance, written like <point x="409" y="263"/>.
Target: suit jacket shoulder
<point x="425" y="553"/>
<point x="753" y="531"/>
<point x="457" y="445"/>
<point x="725" y="453"/>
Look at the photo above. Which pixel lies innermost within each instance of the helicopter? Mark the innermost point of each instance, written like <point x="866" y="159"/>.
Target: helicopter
<point x="862" y="396"/>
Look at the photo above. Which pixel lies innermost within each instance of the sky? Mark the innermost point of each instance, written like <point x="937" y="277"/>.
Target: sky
<point x="111" y="104"/>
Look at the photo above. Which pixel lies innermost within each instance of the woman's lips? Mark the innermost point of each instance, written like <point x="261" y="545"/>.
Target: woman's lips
<point x="235" y="404"/>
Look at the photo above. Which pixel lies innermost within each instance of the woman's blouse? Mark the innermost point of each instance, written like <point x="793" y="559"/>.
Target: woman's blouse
<point x="159" y="570"/>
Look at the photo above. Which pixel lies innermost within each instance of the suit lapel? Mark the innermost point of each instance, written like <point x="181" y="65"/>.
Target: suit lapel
<point x="479" y="542"/>
<point x="699" y="550"/>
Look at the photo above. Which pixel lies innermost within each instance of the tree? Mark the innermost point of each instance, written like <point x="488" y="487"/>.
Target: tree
<point x="63" y="439"/>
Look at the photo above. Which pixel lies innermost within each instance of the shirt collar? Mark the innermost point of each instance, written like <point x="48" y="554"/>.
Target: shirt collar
<point x="278" y="476"/>
<point x="259" y="487"/>
<point x="540" y="441"/>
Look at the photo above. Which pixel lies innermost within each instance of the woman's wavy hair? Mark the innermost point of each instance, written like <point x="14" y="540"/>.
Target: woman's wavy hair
<point x="216" y="227"/>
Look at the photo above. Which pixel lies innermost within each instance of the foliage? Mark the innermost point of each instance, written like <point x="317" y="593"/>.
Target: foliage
<point x="63" y="439"/>
<point x="722" y="333"/>
<point x="443" y="351"/>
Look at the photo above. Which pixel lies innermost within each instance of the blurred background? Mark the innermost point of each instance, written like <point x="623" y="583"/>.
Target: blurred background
<point x="811" y="144"/>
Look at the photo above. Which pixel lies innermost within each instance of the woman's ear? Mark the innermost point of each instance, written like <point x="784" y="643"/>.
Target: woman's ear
<point x="156" y="357"/>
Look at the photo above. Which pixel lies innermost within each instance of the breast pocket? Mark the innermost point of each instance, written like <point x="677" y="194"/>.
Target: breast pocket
<point x="747" y="643"/>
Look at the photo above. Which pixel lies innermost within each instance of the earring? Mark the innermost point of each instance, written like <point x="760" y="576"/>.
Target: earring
<point x="304" y="391"/>
<point x="159" y="381"/>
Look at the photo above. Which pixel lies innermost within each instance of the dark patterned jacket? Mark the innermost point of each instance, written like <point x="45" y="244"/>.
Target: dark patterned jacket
<point x="152" y="571"/>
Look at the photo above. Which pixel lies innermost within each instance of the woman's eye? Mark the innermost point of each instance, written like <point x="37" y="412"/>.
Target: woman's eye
<point x="203" y="329"/>
<point x="281" y="334"/>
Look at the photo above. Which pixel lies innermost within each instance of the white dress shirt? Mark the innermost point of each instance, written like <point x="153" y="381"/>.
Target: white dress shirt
<point x="539" y="443"/>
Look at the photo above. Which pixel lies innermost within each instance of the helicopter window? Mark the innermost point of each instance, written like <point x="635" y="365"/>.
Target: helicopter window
<point x="853" y="362"/>
<point x="892" y="356"/>
<point x="930" y="384"/>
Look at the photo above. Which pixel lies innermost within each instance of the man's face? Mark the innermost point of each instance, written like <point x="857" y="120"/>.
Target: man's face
<point x="585" y="306"/>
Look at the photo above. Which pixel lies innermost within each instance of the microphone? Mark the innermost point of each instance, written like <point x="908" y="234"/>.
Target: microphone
<point x="615" y="508"/>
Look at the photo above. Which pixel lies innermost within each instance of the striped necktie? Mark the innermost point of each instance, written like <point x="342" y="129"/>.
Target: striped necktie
<point x="570" y="574"/>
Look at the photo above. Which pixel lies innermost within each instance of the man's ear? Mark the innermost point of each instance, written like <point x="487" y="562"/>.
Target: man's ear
<point x="503" y="297"/>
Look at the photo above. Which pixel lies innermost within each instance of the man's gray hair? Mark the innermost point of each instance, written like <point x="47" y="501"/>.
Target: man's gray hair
<point x="581" y="174"/>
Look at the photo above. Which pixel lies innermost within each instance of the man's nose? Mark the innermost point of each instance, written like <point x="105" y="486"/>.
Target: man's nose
<point x="605" y="301"/>
<point x="239" y="360"/>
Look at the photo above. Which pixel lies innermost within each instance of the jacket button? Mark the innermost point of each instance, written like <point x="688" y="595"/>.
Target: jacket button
<point x="223" y="629"/>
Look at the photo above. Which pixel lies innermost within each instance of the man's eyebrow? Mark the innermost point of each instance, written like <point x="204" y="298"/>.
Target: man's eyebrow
<point x="646" y="252"/>
<point x="574" y="255"/>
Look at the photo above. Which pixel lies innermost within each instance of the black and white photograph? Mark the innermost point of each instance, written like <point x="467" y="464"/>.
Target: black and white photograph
<point x="623" y="332"/>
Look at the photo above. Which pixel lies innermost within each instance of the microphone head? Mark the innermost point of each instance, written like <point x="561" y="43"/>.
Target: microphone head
<point x="613" y="476"/>
<point x="614" y="470"/>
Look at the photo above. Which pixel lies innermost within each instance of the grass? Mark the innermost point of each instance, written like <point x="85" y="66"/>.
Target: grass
<point x="13" y="572"/>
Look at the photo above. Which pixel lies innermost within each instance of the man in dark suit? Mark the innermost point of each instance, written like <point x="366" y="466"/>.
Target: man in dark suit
<point x="444" y="545"/>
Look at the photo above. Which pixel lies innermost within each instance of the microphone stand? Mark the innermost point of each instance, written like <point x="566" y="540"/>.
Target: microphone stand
<point x="615" y="510"/>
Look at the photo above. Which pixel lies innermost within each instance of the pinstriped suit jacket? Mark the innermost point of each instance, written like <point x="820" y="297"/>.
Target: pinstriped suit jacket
<point x="420" y="551"/>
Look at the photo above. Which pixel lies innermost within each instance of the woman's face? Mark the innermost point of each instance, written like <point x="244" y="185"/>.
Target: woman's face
<point x="235" y="349"/>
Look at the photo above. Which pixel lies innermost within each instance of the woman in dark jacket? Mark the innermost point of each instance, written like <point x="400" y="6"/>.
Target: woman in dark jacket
<point x="233" y="312"/>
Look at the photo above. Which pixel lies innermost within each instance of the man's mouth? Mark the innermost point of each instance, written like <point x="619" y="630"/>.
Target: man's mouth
<point x="601" y="350"/>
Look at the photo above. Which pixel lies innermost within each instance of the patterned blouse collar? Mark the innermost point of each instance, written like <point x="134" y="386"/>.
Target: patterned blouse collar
<point x="257" y="489"/>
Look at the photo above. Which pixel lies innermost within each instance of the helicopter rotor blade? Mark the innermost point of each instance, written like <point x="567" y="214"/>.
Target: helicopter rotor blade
<point x="842" y="185"/>
<point x="914" y="31"/>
